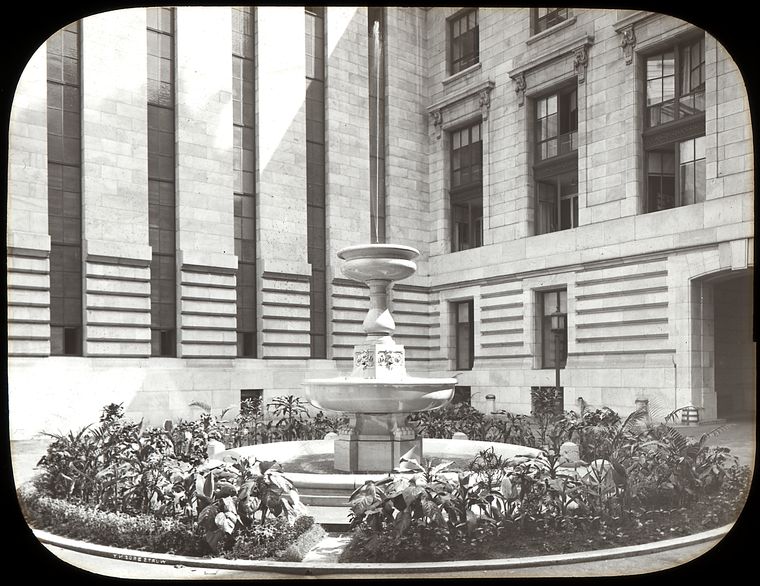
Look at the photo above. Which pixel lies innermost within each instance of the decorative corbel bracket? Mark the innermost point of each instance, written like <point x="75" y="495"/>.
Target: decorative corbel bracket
<point x="484" y="101"/>
<point x="436" y="117"/>
<point x="628" y="43"/>
<point x="580" y="62"/>
<point x="520" y="87"/>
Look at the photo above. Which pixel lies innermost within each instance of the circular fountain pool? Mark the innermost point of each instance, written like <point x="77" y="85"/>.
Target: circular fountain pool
<point x="309" y="466"/>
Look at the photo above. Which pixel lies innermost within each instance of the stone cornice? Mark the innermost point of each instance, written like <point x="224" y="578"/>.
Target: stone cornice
<point x="117" y="260"/>
<point x="483" y="92"/>
<point x="27" y="252"/>
<point x="632" y="19"/>
<point x="280" y="276"/>
<point x="577" y="47"/>
<point x="568" y="268"/>
<point x="556" y="52"/>
<point x="467" y="92"/>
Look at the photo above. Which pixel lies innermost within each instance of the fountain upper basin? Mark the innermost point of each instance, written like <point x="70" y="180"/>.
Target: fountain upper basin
<point x="365" y="262"/>
<point x="362" y="395"/>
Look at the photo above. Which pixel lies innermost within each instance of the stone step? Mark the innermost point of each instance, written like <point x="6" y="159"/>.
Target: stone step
<point x="327" y="500"/>
<point x="328" y="549"/>
<point x="331" y="518"/>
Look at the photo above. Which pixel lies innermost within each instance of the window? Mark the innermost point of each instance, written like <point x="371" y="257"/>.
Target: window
<point x="674" y="121"/>
<point x="161" y="197"/>
<point x="462" y="395"/>
<point x="544" y="18"/>
<point x="64" y="144"/>
<point x="244" y="163"/>
<point x="463" y="35"/>
<point x="557" y="203"/>
<point x="557" y="124"/>
<point x="315" y="176"/>
<point x="553" y="346"/>
<point x="465" y="334"/>
<point x="467" y="188"/>
<point x="556" y="161"/>
<point x="255" y="396"/>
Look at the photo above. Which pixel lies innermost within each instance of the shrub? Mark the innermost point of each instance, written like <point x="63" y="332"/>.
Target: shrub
<point x="116" y="465"/>
<point x="277" y="539"/>
<point x="460" y="417"/>
<point x="78" y="521"/>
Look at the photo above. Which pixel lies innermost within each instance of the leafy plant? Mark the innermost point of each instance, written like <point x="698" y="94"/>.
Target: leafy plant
<point x="272" y="540"/>
<point x="426" y="506"/>
<point x="231" y="495"/>
<point x="545" y="409"/>
<point x="513" y="428"/>
<point x="70" y="464"/>
<point x="290" y="413"/>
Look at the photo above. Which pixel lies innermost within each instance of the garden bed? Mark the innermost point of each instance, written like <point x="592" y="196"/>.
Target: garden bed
<point x="154" y="490"/>
<point x="645" y="527"/>
<point x="277" y="540"/>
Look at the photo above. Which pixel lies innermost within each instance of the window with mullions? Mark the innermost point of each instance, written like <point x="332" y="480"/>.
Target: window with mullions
<point x="244" y="162"/>
<point x="675" y="126"/>
<point x="553" y="346"/>
<point x="556" y="161"/>
<point x="557" y="203"/>
<point x="463" y="38"/>
<point x="64" y="143"/>
<point x="544" y="18"/>
<point x="464" y="327"/>
<point x="557" y="124"/>
<point x="161" y="180"/>
<point x="466" y="187"/>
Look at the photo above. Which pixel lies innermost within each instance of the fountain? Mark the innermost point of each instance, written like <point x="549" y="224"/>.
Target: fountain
<point x="379" y="394"/>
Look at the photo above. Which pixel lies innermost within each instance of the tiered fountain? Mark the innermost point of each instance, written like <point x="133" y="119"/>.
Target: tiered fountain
<point x="379" y="394"/>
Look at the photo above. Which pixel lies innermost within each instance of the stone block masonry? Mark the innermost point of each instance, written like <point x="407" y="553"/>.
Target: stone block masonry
<point x="27" y="240"/>
<point x="641" y="287"/>
<point x="115" y="186"/>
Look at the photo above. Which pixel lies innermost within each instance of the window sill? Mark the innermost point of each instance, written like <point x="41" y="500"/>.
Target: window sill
<point x="551" y="30"/>
<point x="461" y="74"/>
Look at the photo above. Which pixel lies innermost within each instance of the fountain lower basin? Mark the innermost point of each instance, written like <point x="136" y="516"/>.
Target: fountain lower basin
<point x="326" y="494"/>
<point x="372" y="396"/>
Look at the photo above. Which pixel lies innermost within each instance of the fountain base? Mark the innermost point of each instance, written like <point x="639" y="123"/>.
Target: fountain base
<point x="374" y="442"/>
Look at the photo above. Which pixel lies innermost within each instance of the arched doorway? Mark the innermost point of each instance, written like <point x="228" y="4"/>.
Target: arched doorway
<point x="734" y="348"/>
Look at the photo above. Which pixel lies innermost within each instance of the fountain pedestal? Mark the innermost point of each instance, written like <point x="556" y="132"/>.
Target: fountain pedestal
<point x="376" y="441"/>
<point x="379" y="394"/>
<point x="372" y="443"/>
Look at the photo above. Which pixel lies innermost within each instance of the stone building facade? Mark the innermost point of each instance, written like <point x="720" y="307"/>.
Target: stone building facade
<point x="175" y="207"/>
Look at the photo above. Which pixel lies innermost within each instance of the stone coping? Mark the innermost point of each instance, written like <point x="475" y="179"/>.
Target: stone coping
<point x="316" y="568"/>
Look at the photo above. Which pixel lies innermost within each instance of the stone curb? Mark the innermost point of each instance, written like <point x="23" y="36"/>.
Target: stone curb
<point x="316" y="568"/>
